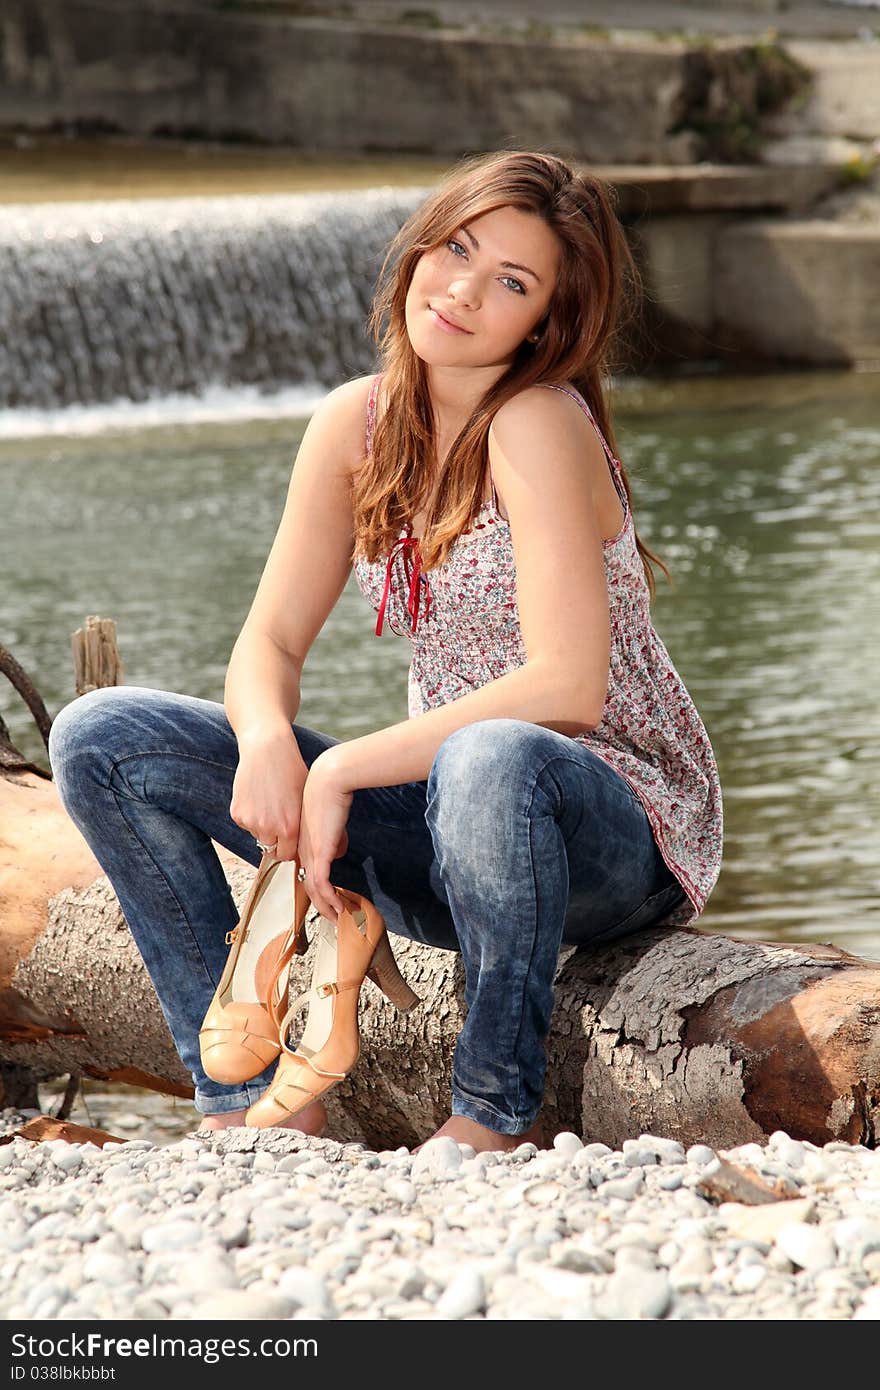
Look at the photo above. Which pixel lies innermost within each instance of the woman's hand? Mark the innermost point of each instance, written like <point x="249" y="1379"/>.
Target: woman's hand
<point x="326" y="804"/>
<point x="268" y="788"/>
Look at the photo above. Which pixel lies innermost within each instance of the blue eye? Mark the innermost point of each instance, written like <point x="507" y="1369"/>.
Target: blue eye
<point x="509" y="279"/>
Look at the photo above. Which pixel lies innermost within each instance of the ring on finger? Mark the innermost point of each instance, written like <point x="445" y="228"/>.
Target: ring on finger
<point x="267" y="849"/>
<point x="301" y="873"/>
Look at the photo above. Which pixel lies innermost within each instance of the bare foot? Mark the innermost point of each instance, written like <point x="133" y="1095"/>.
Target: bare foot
<point x="312" y="1120"/>
<point x="483" y="1140"/>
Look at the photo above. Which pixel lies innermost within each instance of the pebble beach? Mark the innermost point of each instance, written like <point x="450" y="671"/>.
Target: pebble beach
<point x="249" y="1224"/>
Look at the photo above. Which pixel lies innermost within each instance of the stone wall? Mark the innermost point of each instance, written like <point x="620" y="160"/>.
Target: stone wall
<point x="757" y="266"/>
<point x="318" y="84"/>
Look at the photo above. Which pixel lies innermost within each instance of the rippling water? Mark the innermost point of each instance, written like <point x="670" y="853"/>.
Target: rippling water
<point x="770" y="515"/>
<point x="762" y="495"/>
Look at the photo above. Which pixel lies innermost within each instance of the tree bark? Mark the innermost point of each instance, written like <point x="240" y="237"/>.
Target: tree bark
<point x="701" y="1037"/>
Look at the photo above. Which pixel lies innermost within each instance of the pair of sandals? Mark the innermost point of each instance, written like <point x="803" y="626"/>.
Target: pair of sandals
<point x="247" y="1023"/>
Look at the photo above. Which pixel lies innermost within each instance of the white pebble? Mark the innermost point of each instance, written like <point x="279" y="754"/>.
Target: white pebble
<point x="245" y="1304"/>
<point x="404" y="1192"/>
<point x="567" y="1144"/>
<point x="68" y="1159"/>
<point x="466" y="1294"/>
<point x="306" y="1290"/>
<point x="670" y="1181"/>
<point x="635" y="1257"/>
<point x="278" y="1217"/>
<point x="856" y="1236"/>
<point x="561" y="1284"/>
<point x="692" y="1265"/>
<point x="106" y="1268"/>
<point x="437" y="1157"/>
<point x="748" y="1279"/>
<point x="623" y="1188"/>
<point x="869" y="1308"/>
<point x="288" y="1164"/>
<point x="626" y="1297"/>
<point x="596" y="1151"/>
<point x="175" y="1235"/>
<point x="699" y="1155"/>
<point x="667" y="1150"/>
<point x="523" y="1152"/>
<point x="638" y="1155"/>
<point x="806" y="1246"/>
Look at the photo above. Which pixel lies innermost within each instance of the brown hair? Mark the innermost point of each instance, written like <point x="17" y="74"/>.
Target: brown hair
<point x="576" y="338"/>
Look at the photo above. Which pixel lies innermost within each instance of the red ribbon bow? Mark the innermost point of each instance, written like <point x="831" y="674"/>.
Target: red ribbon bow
<point x="414" y="575"/>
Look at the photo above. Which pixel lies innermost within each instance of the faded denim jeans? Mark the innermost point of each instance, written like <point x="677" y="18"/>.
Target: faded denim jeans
<point x="520" y="840"/>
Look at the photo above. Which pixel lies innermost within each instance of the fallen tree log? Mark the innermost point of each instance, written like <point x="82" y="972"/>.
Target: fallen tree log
<point x="701" y="1037"/>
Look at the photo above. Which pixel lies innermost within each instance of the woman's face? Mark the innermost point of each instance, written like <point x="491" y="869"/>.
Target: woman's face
<point x="473" y="300"/>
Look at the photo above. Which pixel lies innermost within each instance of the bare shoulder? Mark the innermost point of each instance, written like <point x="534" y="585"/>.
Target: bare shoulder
<point x="538" y="410"/>
<point x="345" y="407"/>
<point x="337" y="429"/>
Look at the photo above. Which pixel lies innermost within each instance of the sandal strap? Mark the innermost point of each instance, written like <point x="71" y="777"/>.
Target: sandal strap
<point x="294" y="947"/>
<point x="323" y="992"/>
<point x="280" y="1081"/>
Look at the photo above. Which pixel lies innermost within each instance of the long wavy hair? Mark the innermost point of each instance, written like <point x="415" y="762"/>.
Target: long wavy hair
<point x="597" y="281"/>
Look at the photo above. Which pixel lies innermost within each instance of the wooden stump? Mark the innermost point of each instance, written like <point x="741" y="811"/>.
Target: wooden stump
<point x="701" y="1037"/>
<point x="96" y="659"/>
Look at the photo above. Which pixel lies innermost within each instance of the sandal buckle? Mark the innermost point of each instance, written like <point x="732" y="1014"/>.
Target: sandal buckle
<point x="231" y="935"/>
<point x="325" y="991"/>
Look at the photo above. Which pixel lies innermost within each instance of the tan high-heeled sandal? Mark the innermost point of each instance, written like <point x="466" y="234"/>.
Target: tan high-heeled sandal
<point x="239" y="1036"/>
<point x="346" y="953"/>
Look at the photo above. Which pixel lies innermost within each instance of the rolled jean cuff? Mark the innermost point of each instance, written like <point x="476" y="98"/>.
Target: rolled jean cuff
<point x="221" y="1104"/>
<point x="492" y="1119"/>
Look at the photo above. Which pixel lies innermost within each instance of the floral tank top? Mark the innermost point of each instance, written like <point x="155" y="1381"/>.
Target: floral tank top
<point x="463" y="623"/>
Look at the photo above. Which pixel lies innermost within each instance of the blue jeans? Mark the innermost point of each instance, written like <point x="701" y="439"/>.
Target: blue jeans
<point x="519" y="841"/>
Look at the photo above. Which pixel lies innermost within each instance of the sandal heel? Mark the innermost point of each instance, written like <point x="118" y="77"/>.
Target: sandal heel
<point x="385" y="973"/>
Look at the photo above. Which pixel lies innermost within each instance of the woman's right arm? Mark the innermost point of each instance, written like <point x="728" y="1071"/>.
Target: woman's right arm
<point x="303" y="577"/>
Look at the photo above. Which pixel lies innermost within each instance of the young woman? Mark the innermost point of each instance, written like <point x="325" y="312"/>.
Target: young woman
<point x="553" y="782"/>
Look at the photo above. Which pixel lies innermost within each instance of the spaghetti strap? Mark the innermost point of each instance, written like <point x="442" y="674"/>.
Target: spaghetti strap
<point x="371" y="410"/>
<point x="494" y="493"/>
<point x="576" y="396"/>
<point x="614" y="462"/>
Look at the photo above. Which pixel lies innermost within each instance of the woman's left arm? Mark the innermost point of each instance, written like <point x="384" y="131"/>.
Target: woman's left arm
<point x="539" y="446"/>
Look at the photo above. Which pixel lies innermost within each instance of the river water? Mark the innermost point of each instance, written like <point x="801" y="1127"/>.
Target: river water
<point x="762" y="494"/>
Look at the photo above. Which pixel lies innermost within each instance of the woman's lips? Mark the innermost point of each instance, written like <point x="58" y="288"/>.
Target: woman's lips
<point x="443" y="323"/>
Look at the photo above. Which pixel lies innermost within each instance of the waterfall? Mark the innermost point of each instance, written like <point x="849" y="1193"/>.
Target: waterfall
<point x="137" y="299"/>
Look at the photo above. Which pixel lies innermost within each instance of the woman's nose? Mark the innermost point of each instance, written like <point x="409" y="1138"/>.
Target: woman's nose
<point x="464" y="290"/>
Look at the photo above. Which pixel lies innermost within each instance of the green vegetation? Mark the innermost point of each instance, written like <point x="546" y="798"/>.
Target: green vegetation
<point x="727" y="91"/>
<point x="594" y="31"/>
<point x="859" y="169"/>
<point x="780" y="80"/>
<point x="539" y="32"/>
<point x="421" y="19"/>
